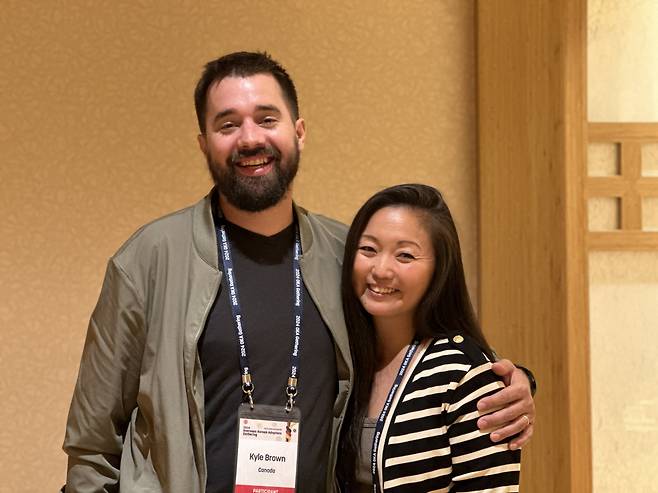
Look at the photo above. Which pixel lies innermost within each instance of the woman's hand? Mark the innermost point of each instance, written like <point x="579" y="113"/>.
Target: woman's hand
<point x="516" y="408"/>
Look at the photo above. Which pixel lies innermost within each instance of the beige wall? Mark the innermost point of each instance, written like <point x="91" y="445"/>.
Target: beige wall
<point x="622" y="60"/>
<point x="97" y="133"/>
<point x="624" y="350"/>
<point x="623" y="86"/>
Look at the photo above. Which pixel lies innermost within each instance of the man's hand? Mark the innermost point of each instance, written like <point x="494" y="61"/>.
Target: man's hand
<point x="518" y="409"/>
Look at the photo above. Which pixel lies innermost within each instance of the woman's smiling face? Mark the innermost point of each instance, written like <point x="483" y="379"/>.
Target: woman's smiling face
<point x="394" y="263"/>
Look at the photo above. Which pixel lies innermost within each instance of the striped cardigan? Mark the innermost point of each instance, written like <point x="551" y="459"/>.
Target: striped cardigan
<point x="430" y="440"/>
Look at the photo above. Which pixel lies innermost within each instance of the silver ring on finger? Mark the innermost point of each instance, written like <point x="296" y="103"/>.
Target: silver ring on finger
<point x="527" y="420"/>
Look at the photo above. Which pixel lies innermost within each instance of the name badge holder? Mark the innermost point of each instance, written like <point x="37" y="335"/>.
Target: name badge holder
<point x="268" y="436"/>
<point x="379" y="427"/>
<point x="267" y="449"/>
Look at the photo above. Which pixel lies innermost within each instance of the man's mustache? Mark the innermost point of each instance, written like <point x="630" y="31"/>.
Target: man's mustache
<point x="268" y="151"/>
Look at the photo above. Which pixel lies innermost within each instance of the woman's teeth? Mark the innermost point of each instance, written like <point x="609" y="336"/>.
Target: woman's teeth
<point x="382" y="290"/>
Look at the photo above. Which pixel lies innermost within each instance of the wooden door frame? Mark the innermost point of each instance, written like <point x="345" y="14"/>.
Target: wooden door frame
<point x="532" y="138"/>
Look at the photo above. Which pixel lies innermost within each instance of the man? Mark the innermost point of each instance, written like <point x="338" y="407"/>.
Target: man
<point x="171" y="343"/>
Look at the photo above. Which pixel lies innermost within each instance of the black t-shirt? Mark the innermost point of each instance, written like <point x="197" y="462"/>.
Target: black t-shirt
<point x="264" y="278"/>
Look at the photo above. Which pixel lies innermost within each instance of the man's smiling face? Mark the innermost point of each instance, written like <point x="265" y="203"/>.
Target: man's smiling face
<point x="251" y="142"/>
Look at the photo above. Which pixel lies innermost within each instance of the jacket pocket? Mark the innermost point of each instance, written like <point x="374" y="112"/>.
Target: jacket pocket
<point x="341" y="397"/>
<point x="137" y="471"/>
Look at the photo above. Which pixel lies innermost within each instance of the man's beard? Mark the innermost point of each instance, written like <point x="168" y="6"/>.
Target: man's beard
<point x="255" y="193"/>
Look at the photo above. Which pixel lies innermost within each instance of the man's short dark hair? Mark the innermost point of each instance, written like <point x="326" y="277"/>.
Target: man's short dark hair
<point x="242" y="64"/>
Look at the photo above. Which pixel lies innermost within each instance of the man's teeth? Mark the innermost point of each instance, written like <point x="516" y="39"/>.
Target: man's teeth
<point x="380" y="290"/>
<point x="254" y="162"/>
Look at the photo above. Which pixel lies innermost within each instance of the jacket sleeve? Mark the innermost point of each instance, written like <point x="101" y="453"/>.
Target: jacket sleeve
<point x="106" y="390"/>
<point x="478" y="464"/>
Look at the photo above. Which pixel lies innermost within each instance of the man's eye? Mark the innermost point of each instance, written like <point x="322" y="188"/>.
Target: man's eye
<point x="268" y="121"/>
<point x="227" y="127"/>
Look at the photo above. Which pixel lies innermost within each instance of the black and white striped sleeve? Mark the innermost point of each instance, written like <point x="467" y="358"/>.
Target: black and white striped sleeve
<point x="478" y="464"/>
<point x="432" y="442"/>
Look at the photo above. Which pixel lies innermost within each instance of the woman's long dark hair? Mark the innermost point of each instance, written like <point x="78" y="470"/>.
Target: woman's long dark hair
<point x="444" y="309"/>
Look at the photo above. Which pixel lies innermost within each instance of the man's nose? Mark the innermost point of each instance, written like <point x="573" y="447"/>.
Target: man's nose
<point x="251" y="135"/>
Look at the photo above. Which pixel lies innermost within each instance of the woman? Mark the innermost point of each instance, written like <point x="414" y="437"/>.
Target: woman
<point x="421" y="362"/>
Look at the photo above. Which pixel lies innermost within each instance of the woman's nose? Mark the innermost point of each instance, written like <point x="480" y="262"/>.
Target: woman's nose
<point x="381" y="268"/>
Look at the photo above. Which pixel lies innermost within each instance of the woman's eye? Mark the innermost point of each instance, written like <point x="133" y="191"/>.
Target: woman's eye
<point x="367" y="250"/>
<point x="406" y="257"/>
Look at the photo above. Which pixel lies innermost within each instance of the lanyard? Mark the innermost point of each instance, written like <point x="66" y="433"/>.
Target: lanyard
<point x="227" y="262"/>
<point x="379" y="427"/>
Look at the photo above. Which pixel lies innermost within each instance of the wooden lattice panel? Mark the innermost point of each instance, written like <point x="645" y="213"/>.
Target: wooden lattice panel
<point x="629" y="186"/>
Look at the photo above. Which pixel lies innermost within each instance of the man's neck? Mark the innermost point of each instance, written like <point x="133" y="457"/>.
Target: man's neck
<point x="267" y="222"/>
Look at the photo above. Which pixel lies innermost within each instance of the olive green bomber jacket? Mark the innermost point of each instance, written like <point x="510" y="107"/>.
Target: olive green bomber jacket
<point x="136" y="417"/>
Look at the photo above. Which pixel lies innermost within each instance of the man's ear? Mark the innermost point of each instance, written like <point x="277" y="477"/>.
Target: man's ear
<point x="201" y="139"/>
<point x="300" y="130"/>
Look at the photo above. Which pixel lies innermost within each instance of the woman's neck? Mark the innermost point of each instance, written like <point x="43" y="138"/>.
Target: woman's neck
<point x="392" y="335"/>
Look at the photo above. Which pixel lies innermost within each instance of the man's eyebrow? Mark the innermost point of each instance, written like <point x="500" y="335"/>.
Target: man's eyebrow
<point x="268" y="107"/>
<point x="222" y="114"/>
<point x="260" y="107"/>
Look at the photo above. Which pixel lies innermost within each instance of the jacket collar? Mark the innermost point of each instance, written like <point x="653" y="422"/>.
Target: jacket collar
<point x="203" y="231"/>
<point x="203" y="228"/>
<point x="304" y="227"/>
